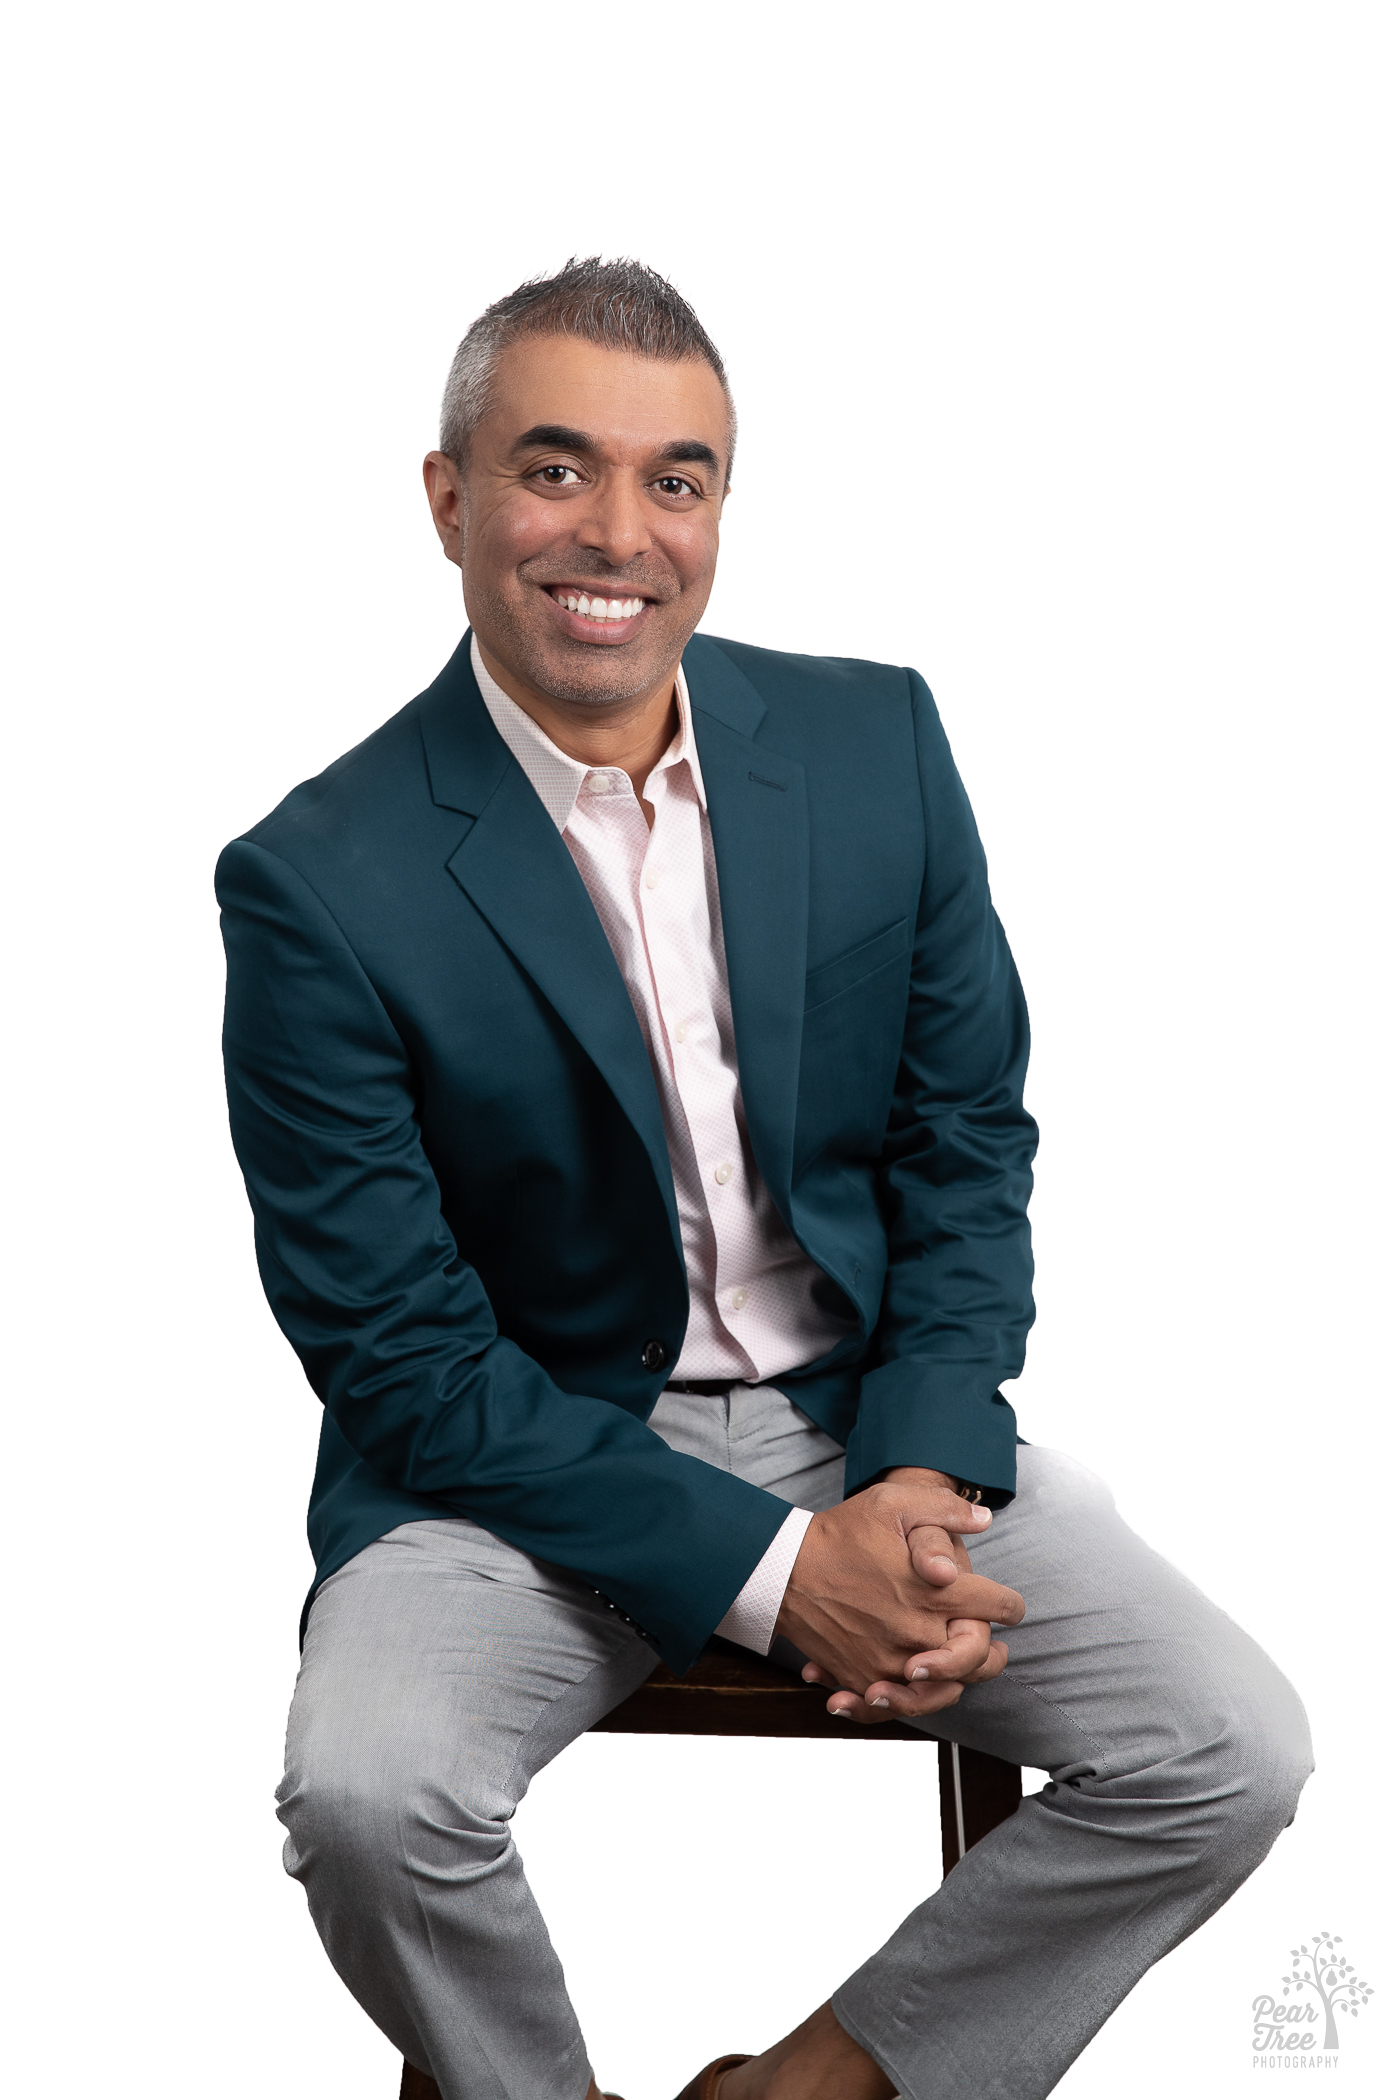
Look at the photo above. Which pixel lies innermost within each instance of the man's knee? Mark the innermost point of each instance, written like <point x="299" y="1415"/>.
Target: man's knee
<point x="372" y="1806"/>
<point x="1274" y="1756"/>
<point x="1234" y="1783"/>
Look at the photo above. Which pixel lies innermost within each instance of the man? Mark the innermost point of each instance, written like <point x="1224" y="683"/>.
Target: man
<point x="625" y="1062"/>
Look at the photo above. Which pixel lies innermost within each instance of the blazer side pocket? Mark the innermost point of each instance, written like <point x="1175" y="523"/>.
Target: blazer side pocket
<point x="852" y="968"/>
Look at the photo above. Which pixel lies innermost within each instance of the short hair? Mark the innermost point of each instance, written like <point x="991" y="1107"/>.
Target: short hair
<point x="621" y="304"/>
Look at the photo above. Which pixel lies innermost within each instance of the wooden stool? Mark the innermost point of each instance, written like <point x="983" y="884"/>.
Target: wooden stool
<point x="730" y="1692"/>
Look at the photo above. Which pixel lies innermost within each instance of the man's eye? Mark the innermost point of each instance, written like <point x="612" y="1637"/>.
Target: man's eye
<point x="673" y="485"/>
<point x="558" y="477"/>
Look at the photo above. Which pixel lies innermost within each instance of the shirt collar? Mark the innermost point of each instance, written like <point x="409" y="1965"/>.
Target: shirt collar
<point x="555" y="777"/>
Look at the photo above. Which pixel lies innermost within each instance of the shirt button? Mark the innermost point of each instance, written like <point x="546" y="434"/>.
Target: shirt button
<point x="682" y="1033"/>
<point x="739" y="1300"/>
<point x="651" y="878"/>
<point x="598" y="784"/>
<point x="724" y="1172"/>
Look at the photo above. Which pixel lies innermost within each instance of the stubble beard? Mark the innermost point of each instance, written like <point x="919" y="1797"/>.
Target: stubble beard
<point x="604" y="677"/>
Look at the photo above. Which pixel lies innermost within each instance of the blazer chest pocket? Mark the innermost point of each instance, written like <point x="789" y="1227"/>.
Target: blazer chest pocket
<point x="852" y="968"/>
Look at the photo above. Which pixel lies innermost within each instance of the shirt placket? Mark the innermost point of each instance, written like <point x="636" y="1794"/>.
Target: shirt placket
<point x="680" y="950"/>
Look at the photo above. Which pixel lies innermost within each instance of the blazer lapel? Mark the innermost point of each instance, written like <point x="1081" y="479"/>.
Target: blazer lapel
<point x="520" y="875"/>
<point x="758" y="820"/>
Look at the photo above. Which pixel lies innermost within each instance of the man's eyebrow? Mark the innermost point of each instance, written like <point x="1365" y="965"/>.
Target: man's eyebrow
<point x="560" y="437"/>
<point x="556" y="435"/>
<point x="692" y="450"/>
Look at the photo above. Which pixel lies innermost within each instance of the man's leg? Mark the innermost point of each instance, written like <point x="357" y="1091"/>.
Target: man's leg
<point x="442" y="1670"/>
<point x="1176" y="1752"/>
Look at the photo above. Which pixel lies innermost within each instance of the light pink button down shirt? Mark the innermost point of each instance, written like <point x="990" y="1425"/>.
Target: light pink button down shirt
<point x="752" y="1310"/>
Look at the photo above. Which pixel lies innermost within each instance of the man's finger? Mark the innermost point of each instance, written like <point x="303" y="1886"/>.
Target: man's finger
<point x="997" y="1656"/>
<point x="906" y="1701"/>
<point x="970" y="1655"/>
<point x="962" y="1654"/>
<point x="853" y="1708"/>
<point x="977" y="1597"/>
<point x="936" y="1557"/>
<point x="973" y="1517"/>
<point x="888" y="1702"/>
<point x="937" y="1548"/>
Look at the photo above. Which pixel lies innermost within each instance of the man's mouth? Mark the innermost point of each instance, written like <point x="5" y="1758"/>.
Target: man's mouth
<point x="605" y="611"/>
<point x="587" y="616"/>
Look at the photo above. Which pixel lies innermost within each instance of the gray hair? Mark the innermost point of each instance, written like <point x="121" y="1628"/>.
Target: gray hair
<point x="621" y="304"/>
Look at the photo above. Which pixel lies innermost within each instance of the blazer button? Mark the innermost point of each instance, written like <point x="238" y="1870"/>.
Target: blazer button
<point x="654" y="1355"/>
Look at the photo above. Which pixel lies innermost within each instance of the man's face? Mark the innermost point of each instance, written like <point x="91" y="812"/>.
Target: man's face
<point x="597" y="476"/>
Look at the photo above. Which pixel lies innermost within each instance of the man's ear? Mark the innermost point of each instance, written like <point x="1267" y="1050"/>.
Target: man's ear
<point x="445" y="500"/>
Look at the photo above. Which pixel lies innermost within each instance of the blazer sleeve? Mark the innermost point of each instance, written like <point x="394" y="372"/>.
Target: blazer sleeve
<point x="394" y="1329"/>
<point x="955" y="1171"/>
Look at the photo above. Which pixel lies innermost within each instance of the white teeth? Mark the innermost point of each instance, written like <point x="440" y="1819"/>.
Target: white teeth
<point x="600" y="608"/>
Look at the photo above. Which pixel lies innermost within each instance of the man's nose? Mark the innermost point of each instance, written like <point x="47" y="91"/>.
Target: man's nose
<point x="614" y="523"/>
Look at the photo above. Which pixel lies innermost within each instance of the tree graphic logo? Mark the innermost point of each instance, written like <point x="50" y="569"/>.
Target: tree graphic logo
<point x="1321" y="1969"/>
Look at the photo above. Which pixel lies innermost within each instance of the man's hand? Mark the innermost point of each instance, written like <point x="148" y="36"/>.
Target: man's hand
<point x="882" y="1593"/>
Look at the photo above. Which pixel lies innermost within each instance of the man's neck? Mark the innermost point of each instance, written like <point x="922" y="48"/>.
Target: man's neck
<point x="632" y="736"/>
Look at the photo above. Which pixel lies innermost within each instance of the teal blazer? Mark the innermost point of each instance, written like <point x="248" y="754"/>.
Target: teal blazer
<point x="446" y="1118"/>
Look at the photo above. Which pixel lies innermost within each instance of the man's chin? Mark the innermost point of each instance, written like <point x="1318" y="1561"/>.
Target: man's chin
<point x="613" y="691"/>
<point x="581" y="674"/>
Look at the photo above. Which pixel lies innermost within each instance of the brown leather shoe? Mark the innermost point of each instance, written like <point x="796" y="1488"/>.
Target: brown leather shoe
<point x="416" y="2085"/>
<point x="705" y="2084"/>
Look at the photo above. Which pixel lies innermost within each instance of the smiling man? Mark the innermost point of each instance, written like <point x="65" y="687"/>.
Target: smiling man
<point x="625" y="1063"/>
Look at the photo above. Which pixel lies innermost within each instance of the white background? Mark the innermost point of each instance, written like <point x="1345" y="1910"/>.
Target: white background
<point x="1064" y="342"/>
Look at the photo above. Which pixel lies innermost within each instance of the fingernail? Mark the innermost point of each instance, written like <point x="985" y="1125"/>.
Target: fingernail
<point x="915" y="1675"/>
<point x="879" y="1702"/>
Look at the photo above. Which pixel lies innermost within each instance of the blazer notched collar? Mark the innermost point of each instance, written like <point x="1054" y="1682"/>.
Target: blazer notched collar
<point x="519" y="874"/>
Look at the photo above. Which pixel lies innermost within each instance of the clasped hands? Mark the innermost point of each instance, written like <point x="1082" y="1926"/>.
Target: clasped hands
<point x="882" y="1596"/>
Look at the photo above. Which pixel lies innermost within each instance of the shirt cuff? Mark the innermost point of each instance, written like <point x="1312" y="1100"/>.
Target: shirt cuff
<point x="752" y="1616"/>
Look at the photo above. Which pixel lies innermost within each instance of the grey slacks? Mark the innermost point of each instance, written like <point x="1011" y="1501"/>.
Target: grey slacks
<point x="443" y="1669"/>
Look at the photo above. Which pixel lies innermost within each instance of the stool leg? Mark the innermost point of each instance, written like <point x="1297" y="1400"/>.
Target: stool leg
<point x="976" y="1792"/>
<point x="417" y="2085"/>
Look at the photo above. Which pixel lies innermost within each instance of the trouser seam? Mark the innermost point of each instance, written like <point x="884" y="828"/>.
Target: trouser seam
<point x="1012" y="1682"/>
<point x="1101" y="1750"/>
<point x="876" y="2050"/>
<point x="547" y="1706"/>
